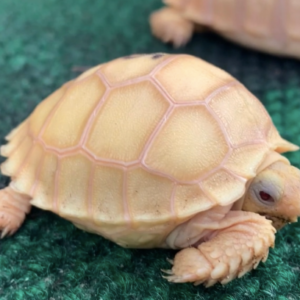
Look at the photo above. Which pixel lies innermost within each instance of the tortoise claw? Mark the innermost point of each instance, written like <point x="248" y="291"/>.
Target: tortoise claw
<point x="4" y="232"/>
<point x="170" y="272"/>
<point x="171" y="261"/>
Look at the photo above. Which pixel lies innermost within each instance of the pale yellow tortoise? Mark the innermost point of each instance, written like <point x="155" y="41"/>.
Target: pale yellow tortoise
<point x="268" y="25"/>
<point x="157" y="151"/>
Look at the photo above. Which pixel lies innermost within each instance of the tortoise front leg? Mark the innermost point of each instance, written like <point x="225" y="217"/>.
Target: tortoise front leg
<point x="13" y="208"/>
<point x="230" y="253"/>
<point x="168" y="25"/>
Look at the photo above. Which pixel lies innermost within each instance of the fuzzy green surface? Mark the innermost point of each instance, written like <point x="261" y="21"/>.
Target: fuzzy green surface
<point x="48" y="258"/>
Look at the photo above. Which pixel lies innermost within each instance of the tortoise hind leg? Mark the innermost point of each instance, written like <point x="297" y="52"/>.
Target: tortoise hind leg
<point x="13" y="208"/>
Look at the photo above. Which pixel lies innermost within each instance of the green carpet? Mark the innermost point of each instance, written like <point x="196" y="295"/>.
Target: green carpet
<point x="40" y="42"/>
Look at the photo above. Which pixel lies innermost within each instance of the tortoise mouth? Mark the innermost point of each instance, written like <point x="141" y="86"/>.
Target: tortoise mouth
<point x="279" y="221"/>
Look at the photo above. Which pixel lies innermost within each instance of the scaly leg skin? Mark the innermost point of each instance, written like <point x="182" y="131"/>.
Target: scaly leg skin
<point x="230" y="253"/>
<point x="169" y="26"/>
<point x="13" y="209"/>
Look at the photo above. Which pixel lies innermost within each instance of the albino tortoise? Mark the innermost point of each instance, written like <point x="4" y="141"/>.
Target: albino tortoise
<point x="157" y="151"/>
<point x="271" y="26"/>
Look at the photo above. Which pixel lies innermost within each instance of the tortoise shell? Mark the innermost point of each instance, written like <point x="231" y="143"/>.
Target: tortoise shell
<point x="136" y="146"/>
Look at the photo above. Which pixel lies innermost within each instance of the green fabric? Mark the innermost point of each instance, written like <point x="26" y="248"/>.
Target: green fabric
<point x="40" y="42"/>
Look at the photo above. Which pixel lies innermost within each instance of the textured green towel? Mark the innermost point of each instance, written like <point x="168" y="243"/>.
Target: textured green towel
<point x="40" y="42"/>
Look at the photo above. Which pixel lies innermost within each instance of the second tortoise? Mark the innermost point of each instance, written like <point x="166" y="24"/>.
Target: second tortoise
<point x="271" y="26"/>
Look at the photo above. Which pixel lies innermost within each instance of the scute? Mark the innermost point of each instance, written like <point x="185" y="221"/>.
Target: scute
<point x="16" y="159"/>
<point x="248" y="122"/>
<point x="72" y="186"/>
<point x="127" y="119"/>
<point x="87" y="73"/>
<point x="224" y="188"/>
<point x="190" y="80"/>
<point x="40" y="114"/>
<point x="148" y="197"/>
<point x="43" y="192"/>
<point x="66" y="127"/>
<point x="130" y="66"/>
<point x="26" y="177"/>
<point x="106" y="204"/>
<point x="245" y="160"/>
<point x="189" y="200"/>
<point x="190" y="144"/>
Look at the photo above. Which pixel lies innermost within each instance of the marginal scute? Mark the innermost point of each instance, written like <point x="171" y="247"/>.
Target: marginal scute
<point x="195" y="81"/>
<point x="16" y="130"/>
<point x="67" y="125"/>
<point x="107" y="196"/>
<point x="223" y="188"/>
<point x="87" y="73"/>
<point x="120" y="70"/>
<point x="13" y="164"/>
<point x="44" y="189"/>
<point x="189" y="145"/>
<point x="279" y="144"/>
<point x="39" y="116"/>
<point x="74" y="174"/>
<point x="248" y="122"/>
<point x="127" y="119"/>
<point x="245" y="160"/>
<point x="27" y="175"/>
<point x="148" y="197"/>
<point x="17" y="137"/>
<point x="190" y="200"/>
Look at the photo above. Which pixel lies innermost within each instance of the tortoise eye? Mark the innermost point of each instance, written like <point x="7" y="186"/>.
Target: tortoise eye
<point x="265" y="197"/>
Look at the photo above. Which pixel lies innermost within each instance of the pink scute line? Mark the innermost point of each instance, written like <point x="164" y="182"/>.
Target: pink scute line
<point x="241" y="178"/>
<point x="251" y="143"/>
<point x="162" y="64"/>
<point x="212" y="200"/>
<point x="221" y="125"/>
<point x="220" y="89"/>
<point x="110" y="162"/>
<point x="129" y="82"/>
<point x="137" y="79"/>
<point x="91" y="119"/>
<point x="154" y="134"/>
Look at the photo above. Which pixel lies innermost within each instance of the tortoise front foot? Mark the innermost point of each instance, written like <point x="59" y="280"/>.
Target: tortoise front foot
<point x="13" y="208"/>
<point x="170" y="27"/>
<point x="231" y="253"/>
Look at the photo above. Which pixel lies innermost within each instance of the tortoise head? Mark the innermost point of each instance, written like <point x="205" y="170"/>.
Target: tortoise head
<point x="275" y="193"/>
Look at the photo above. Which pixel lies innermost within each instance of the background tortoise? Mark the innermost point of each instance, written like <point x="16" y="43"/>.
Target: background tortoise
<point x="268" y="25"/>
<point x="157" y="151"/>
